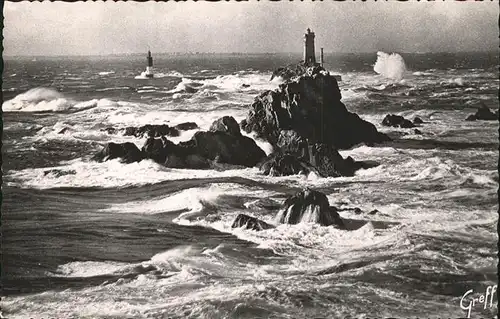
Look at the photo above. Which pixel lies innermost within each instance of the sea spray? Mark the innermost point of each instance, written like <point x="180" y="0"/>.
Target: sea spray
<point x="391" y="66"/>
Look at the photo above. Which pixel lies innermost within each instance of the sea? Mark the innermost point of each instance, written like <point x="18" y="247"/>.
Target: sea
<point x="82" y="239"/>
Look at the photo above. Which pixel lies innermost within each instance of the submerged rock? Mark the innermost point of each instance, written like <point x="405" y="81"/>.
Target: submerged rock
<point x="309" y="206"/>
<point x="309" y="105"/>
<point x="397" y="121"/>
<point x="128" y="152"/>
<point x="249" y="222"/>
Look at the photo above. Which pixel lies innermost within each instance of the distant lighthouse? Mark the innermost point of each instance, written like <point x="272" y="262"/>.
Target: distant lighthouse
<point x="149" y="68"/>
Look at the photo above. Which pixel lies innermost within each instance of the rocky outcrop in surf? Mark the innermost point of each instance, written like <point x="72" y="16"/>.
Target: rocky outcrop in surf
<point x="127" y="152"/>
<point x="397" y="121"/>
<point x="309" y="206"/>
<point x="153" y="130"/>
<point x="284" y="164"/>
<point x="249" y="222"/>
<point x="322" y="159"/>
<point x="220" y="145"/>
<point x="310" y="105"/>
<point x="306" y="206"/>
<point x="291" y="71"/>
<point x="226" y="124"/>
<point x="483" y="113"/>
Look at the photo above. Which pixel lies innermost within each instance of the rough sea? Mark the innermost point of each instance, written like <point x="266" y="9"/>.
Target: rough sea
<point x="82" y="239"/>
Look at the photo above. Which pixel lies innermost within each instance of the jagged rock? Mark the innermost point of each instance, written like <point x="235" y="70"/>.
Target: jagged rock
<point x="228" y="148"/>
<point x="128" y="152"/>
<point x="309" y="206"/>
<point x="157" y="149"/>
<point x="249" y="222"/>
<point x="417" y="120"/>
<point x="310" y="105"/>
<point x="289" y="141"/>
<point x="226" y="124"/>
<point x="483" y="113"/>
<point x="186" y="126"/>
<point x="397" y="121"/>
<point x="151" y="130"/>
<point x="196" y="153"/>
<point x="284" y="164"/>
<point x="322" y="159"/>
<point x="330" y="163"/>
<point x="417" y="131"/>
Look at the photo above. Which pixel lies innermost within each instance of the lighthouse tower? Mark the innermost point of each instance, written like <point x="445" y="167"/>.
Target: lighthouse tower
<point x="309" y="54"/>
<point x="149" y="68"/>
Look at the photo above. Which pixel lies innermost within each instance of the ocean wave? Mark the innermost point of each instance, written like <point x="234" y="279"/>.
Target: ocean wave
<point x="48" y="100"/>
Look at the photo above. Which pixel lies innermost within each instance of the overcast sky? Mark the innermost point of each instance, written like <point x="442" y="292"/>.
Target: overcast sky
<point x="83" y="28"/>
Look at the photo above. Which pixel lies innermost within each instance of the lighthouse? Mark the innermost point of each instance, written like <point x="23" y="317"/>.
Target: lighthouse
<point x="309" y="54"/>
<point x="149" y="68"/>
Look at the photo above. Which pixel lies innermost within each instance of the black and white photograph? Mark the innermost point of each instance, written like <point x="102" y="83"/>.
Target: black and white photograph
<point x="250" y="159"/>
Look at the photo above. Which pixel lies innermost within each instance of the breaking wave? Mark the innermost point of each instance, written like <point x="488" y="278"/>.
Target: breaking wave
<point x="48" y="100"/>
<point x="391" y="66"/>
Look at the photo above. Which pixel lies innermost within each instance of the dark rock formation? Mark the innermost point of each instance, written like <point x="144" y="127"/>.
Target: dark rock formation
<point x="417" y="131"/>
<point x="322" y="159"/>
<point x="309" y="206"/>
<point x="249" y="222"/>
<point x="483" y="113"/>
<point x="417" y="120"/>
<point x="284" y="164"/>
<point x="397" y="121"/>
<point x="226" y="124"/>
<point x="226" y="148"/>
<point x="199" y="152"/>
<point x="331" y="164"/>
<point x="310" y="105"/>
<point x="186" y="126"/>
<point x="153" y="130"/>
<point x="290" y="71"/>
<point x="128" y="152"/>
<point x="289" y="141"/>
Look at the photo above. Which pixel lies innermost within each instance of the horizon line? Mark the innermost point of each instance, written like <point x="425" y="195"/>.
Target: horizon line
<point x="239" y="53"/>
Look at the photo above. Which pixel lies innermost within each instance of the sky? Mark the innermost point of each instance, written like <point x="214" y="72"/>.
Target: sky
<point x="97" y="28"/>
